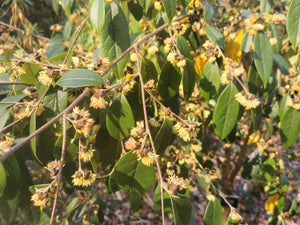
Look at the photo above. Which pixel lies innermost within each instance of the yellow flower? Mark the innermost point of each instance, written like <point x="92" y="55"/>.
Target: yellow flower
<point x="86" y="154"/>
<point x="45" y="78"/>
<point x="98" y="100"/>
<point x="131" y="143"/>
<point x="200" y="63"/>
<point x="186" y="132"/>
<point x="158" y="5"/>
<point x="152" y="50"/>
<point x="138" y="131"/>
<point x="83" y="178"/>
<point x="248" y="100"/>
<point x="81" y="122"/>
<point x="147" y="157"/>
<point x="53" y="168"/>
<point x="233" y="48"/>
<point x="175" y="184"/>
<point x="271" y="202"/>
<point x="40" y="198"/>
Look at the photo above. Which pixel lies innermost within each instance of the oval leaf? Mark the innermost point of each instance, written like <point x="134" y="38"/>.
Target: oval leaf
<point x="182" y="209"/>
<point x="136" y="8"/>
<point x="169" y="81"/>
<point x="293" y="23"/>
<point x="189" y="77"/>
<point x="289" y="127"/>
<point x="213" y="213"/>
<point x="115" y="36"/>
<point x="183" y="46"/>
<point x="170" y="8"/>
<point x="98" y="14"/>
<point x="80" y="78"/>
<point x="131" y="174"/>
<point x="119" y="118"/>
<point x="163" y="137"/>
<point x="263" y="56"/>
<point x="215" y="35"/>
<point x="210" y="80"/>
<point x="226" y="111"/>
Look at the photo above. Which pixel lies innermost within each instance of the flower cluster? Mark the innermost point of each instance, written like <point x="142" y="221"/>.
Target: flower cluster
<point x="83" y="178"/>
<point x="5" y="142"/>
<point x="186" y="131"/>
<point x="254" y="23"/>
<point x="236" y="67"/>
<point x="40" y="198"/>
<point x="176" y="59"/>
<point x="56" y="27"/>
<point x="81" y="121"/>
<point x="101" y="63"/>
<point x="174" y="185"/>
<point x="199" y="27"/>
<point x="179" y="27"/>
<point x="46" y="77"/>
<point x="293" y="102"/>
<point x="53" y="168"/>
<point x="137" y="142"/>
<point x="246" y="99"/>
<point x="98" y="99"/>
<point x="86" y="154"/>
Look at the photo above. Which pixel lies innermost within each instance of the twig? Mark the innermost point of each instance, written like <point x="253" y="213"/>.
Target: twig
<point x="231" y="70"/>
<point x="166" y="108"/>
<point x="149" y="133"/>
<point x="23" y="31"/>
<point x="44" y="127"/>
<point x="42" y="64"/>
<point x="63" y="150"/>
<point x="75" y="38"/>
<point x="12" y="83"/>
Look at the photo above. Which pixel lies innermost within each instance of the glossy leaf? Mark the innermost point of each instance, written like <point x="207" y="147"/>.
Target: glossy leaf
<point x="136" y="8"/>
<point x="32" y="128"/>
<point x="97" y="14"/>
<point x="80" y="78"/>
<point x="213" y="213"/>
<point x="226" y="111"/>
<point x="119" y="118"/>
<point x="115" y="36"/>
<point x="263" y="56"/>
<point x="148" y="70"/>
<point x="169" y="81"/>
<point x="182" y="210"/>
<point x="215" y="35"/>
<point x="183" y="46"/>
<point x="189" y="78"/>
<point x="131" y="174"/>
<point x="170" y="8"/>
<point x="54" y="50"/>
<point x="281" y="63"/>
<point x="293" y="23"/>
<point x="266" y="6"/>
<point x="163" y="137"/>
<point x="210" y="80"/>
<point x="268" y="170"/>
<point x="289" y="127"/>
<point x="246" y="42"/>
<point x="255" y="83"/>
<point x="31" y="72"/>
<point x="2" y="179"/>
<point x="13" y="98"/>
<point x="56" y="100"/>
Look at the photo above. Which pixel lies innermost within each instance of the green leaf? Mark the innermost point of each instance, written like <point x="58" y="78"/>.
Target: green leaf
<point x="30" y="76"/>
<point x="13" y="98"/>
<point x="72" y="204"/>
<point x="131" y="174"/>
<point x="169" y="81"/>
<point x="44" y="218"/>
<point x="115" y="36"/>
<point x="210" y="80"/>
<point x="163" y="137"/>
<point x="67" y="33"/>
<point x="66" y="4"/>
<point x="268" y="170"/>
<point x="148" y="70"/>
<point x="2" y="179"/>
<point x="32" y="128"/>
<point x="256" y="117"/>
<point x="97" y="14"/>
<point x="189" y="78"/>
<point x="54" y="50"/>
<point x="30" y="214"/>
<point x="213" y="213"/>
<point x="255" y="83"/>
<point x="55" y="6"/>
<point x="119" y="118"/>
<point x="263" y="56"/>
<point x="183" y="46"/>
<point x="246" y="42"/>
<point x="251" y="165"/>
<point x="293" y="23"/>
<point x="266" y="6"/>
<point x="215" y="35"/>
<point x="5" y="89"/>
<point x="209" y="11"/>
<point x="166" y="199"/>
<point x="281" y="63"/>
<point x="136" y="8"/>
<point x="289" y="127"/>
<point x="9" y="209"/>
<point x="170" y="8"/>
<point x="273" y="28"/>
<point x="4" y="116"/>
<point x="135" y="201"/>
<point x="182" y="209"/>
<point x="56" y="100"/>
<point x="226" y="111"/>
<point x="80" y="78"/>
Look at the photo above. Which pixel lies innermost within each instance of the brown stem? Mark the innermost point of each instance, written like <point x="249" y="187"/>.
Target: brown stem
<point x="45" y="126"/>
<point x="59" y="176"/>
<point x="12" y="82"/>
<point x="75" y="38"/>
<point x="242" y="156"/>
<point x="149" y="133"/>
